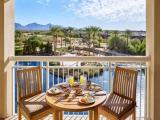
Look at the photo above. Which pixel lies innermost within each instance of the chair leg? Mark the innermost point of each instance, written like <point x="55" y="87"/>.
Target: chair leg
<point x="134" y="115"/>
<point x="99" y="116"/>
<point x="19" y="114"/>
<point x="53" y="115"/>
<point x="61" y="115"/>
<point x="96" y="114"/>
<point x="90" y="115"/>
<point x="56" y="115"/>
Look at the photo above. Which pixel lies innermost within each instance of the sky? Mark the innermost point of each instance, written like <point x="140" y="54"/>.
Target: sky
<point x="107" y="14"/>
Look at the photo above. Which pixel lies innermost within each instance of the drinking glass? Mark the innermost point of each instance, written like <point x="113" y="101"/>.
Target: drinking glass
<point x="81" y="79"/>
<point x="71" y="80"/>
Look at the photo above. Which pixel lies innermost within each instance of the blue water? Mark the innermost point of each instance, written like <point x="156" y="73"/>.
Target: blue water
<point x="98" y="80"/>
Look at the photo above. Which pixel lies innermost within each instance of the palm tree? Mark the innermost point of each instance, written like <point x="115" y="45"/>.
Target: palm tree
<point x="55" y="31"/>
<point x="106" y="37"/>
<point x="88" y="39"/>
<point x="81" y="32"/>
<point x="61" y="36"/>
<point x="99" y="36"/>
<point x="70" y="30"/>
<point x="115" y="32"/>
<point x="65" y="32"/>
<point x="128" y="35"/>
<point x="95" y="32"/>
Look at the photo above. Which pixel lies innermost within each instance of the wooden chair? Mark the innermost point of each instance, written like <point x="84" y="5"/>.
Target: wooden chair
<point x="121" y="103"/>
<point x="31" y="99"/>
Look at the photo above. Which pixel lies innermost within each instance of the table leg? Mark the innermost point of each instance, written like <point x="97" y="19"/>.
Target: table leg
<point x="58" y="115"/>
<point x="96" y="114"/>
<point x="90" y="115"/>
<point x="61" y="115"/>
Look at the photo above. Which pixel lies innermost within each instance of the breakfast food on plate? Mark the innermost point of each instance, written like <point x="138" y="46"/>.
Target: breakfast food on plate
<point x="78" y="91"/>
<point x="67" y="92"/>
<point x="75" y="84"/>
<point x="87" y="99"/>
<point x="88" y="84"/>
<point x="96" y="88"/>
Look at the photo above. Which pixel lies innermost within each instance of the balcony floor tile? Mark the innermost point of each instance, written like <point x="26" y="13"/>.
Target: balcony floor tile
<point x="67" y="117"/>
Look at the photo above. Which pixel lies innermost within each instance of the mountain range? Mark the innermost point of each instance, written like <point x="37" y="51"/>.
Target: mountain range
<point x="32" y="26"/>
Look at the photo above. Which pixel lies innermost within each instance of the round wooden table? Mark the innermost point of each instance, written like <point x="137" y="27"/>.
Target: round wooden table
<point x="71" y="104"/>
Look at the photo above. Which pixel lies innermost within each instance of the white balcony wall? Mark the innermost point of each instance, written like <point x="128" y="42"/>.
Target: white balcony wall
<point x="153" y="50"/>
<point x="6" y="50"/>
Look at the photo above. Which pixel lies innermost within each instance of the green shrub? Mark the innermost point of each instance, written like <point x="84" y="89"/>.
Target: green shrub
<point x="135" y="46"/>
<point x="19" y="51"/>
<point x="31" y="45"/>
<point x="118" y="44"/>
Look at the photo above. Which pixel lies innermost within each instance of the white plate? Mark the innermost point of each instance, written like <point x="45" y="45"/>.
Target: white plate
<point x="54" y="91"/>
<point x="89" y="102"/>
<point x="96" y="88"/>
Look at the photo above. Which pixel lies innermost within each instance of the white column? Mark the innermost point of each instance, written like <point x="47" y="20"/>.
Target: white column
<point x="6" y="50"/>
<point x="1" y="55"/>
<point x="153" y="49"/>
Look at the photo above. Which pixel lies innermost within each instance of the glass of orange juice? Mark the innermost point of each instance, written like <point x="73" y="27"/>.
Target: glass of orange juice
<point x="81" y="79"/>
<point x="71" y="80"/>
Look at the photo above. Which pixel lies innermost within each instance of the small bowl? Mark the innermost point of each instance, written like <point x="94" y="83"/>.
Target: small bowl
<point x="78" y="91"/>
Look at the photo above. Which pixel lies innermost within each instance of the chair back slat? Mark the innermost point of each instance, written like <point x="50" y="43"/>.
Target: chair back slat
<point x="29" y="82"/>
<point x="125" y="82"/>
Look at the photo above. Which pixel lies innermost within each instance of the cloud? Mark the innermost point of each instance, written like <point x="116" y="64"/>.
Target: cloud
<point x="44" y="2"/>
<point x="110" y="10"/>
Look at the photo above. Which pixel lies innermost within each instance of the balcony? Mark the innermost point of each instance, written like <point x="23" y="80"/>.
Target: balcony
<point x="151" y="89"/>
<point x="98" y="69"/>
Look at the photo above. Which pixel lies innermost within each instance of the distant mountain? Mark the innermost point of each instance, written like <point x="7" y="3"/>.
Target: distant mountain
<point x="18" y="26"/>
<point x="32" y="26"/>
